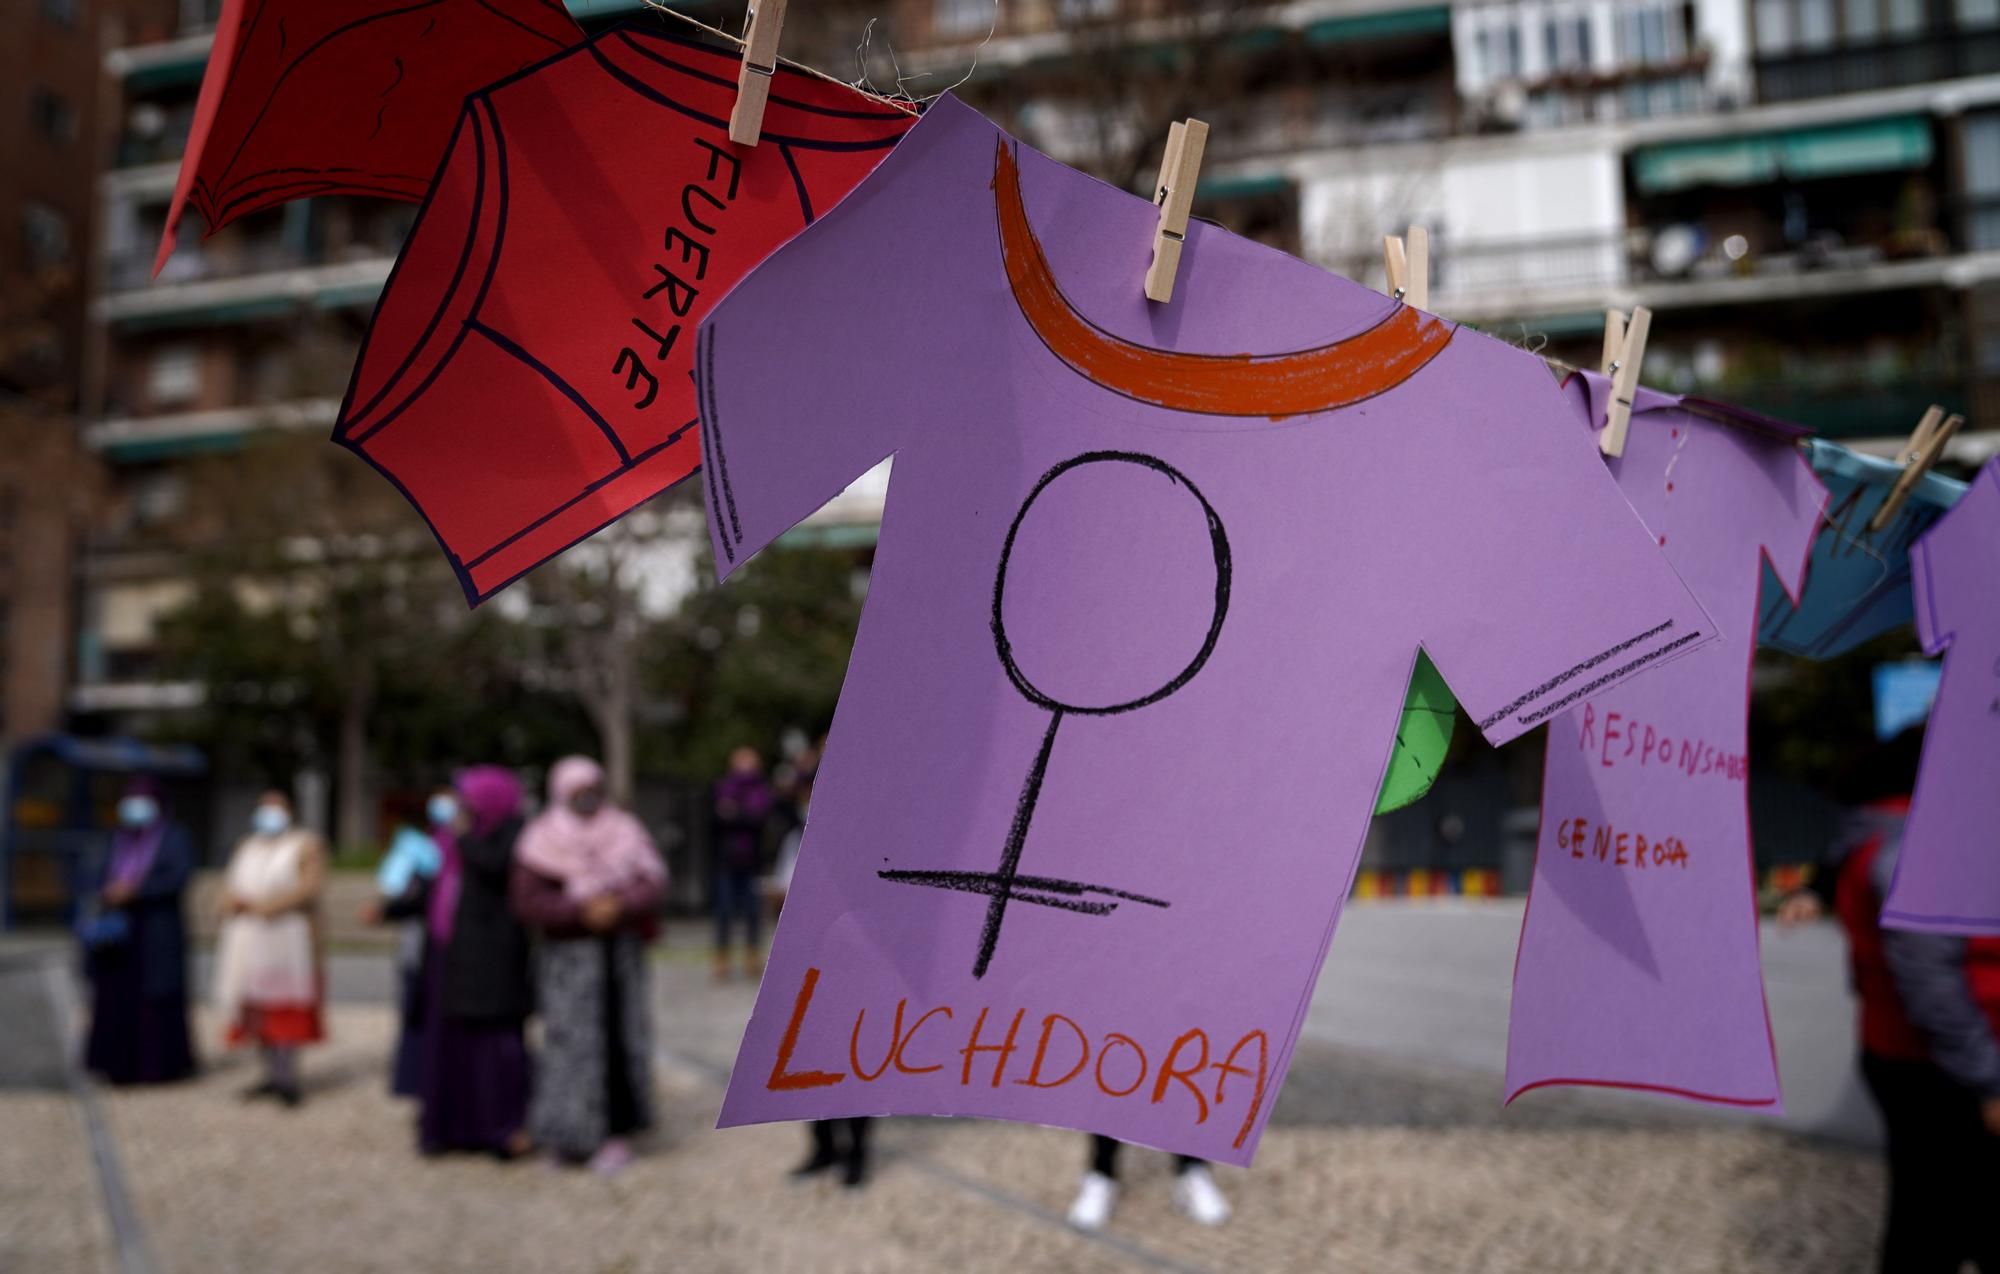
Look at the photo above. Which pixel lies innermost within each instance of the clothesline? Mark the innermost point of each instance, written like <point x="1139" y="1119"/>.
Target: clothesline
<point x="659" y="6"/>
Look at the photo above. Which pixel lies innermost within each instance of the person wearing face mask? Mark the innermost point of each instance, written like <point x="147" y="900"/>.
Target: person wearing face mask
<point x="267" y="976"/>
<point x="473" y="1080"/>
<point x="588" y="882"/>
<point x="136" y="947"/>
<point x="402" y="887"/>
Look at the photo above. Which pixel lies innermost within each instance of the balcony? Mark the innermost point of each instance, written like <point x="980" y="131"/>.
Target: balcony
<point x="1882" y="65"/>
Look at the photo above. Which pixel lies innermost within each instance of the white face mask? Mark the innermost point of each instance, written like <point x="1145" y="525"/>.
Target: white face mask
<point x="270" y="820"/>
<point x="138" y="811"/>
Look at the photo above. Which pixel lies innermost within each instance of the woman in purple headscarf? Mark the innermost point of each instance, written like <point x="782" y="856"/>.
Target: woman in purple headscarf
<point x="474" y="1076"/>
<point x="136" y="947"/>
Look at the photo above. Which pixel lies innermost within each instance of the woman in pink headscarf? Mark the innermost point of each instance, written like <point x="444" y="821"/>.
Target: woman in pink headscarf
<point x="473" y="1071"/>
<point x="587" y="881"/>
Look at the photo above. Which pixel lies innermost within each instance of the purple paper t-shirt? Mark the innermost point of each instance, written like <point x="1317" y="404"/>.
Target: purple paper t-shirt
<point x="1143" y="610"/>
<point x="1948" y="872"/>
<point x="1638" y="964"/>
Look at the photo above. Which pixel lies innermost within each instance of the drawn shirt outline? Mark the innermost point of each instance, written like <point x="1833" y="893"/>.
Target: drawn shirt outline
<point x="527" y="377"/>
<point x="1638" y="965"/>
<point x="352" y="99"/>
<point x="924" y="765"/>
<point x="1948" y="871"/>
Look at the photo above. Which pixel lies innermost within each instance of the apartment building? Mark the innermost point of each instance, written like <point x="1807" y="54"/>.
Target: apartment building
<point x="1806" y="192"/>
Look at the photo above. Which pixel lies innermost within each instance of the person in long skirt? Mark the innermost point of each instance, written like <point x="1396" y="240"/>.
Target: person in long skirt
<point x="473" y="1080"/>
<point x="588" y="883"/>
<point x="136" y="947"/>
<point x="268" y="986"/>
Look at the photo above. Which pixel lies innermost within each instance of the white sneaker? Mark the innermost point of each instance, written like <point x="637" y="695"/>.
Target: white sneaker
<point x="1094" y="1200"/>
<point x="1196" y="1194"/>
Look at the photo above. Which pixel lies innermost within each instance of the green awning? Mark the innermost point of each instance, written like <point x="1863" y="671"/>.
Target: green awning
<point x="206" y="313"/>
<point x="348" y="296"/>
<point x="162" y="75"/>
<point x="1832" y="150"/>
<point x="147" y="450"/>
<point x="838" y="535"/>
<point x="1245" y="186"/>
<point x="1378" y="26"/>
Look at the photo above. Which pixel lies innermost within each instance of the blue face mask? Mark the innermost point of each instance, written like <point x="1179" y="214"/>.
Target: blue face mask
<point x="442" y="810"/>
<point x="137" y="811"/>
<point x="270" y="820"/>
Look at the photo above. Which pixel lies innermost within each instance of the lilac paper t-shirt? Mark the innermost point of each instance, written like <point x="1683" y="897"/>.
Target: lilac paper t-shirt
<point x="1638" y="964"/>
<point x="1948" y="872"/>
<point x="1138" y="634"/>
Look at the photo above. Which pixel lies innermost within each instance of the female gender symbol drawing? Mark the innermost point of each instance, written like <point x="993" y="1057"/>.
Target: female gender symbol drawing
<point x="1141" y="594"/>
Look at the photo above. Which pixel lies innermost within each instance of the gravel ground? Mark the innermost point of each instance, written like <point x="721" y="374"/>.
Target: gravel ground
<point x="1369" y="1165"/>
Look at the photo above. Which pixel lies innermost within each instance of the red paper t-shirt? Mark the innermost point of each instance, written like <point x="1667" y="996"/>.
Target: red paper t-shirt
<point x="528" y="375"/>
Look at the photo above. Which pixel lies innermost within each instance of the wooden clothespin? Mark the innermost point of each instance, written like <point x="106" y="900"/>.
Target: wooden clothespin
<point x="1927" y="444"/>
<point x="760" y="63"/>
<point x="1178" y="173"/>
<point x="1624" y="350"/>
<point x="1409" y="265"/>
<point x="1933" y="417"/>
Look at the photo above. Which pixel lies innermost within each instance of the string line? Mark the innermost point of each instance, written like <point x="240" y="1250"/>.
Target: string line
<point x="659" y="6"/>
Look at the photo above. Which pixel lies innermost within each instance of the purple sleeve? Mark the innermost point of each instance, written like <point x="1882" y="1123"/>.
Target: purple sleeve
<point x="1552" y="589"/>
<point x="842" y="344"/>
<point x="642" y="898"/>
<point x="1943" y="575"/>
<point x="543" y="906"/>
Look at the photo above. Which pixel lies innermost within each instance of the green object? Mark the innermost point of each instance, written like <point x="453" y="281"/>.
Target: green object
<point x="1421" y="738"/>
<point x="1831" y="150"/>
<point x="1378" y="26"/>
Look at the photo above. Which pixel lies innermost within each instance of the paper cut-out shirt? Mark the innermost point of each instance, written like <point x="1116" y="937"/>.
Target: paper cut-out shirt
<point x="1948" y="872"/>
<point x="1638" y="965"/>
<point x="528" y="375"/>
<point x="1858" y="585"/>
<point x="1227" y="524"/>
<point x="303" y="97"/>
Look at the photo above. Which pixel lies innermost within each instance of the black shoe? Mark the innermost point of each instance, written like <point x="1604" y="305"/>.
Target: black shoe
<point x="290" y="1095"/>
<point x="816" y="1163"/>
<point x="260" y="1089"/>
<point x="855" y="1174"/>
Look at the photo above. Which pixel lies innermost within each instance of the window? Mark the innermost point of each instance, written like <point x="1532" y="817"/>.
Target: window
<point x="1086" y="10"/>
<point x="1815" y="24"/>
<point x="1906" y="17"/>
<point x="173" y="377"/>
<point x="1977" y="13"/>
<point x="1774" y="26"/>
<point x="1566" y="43"/>
<point x="1982" y="180"/>
<point x="1862" y="20"/>
<point x="1650" y="37"/>
<point x="44" y="234"/>
<point x="963" y="17"/>
<point x="51" y="114"/>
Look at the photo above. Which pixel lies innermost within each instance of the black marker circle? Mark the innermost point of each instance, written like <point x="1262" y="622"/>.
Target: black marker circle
<point x="1218" y="542"/>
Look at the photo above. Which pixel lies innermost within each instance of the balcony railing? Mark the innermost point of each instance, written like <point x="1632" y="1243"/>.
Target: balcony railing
<point x="1889" y="64"/>
<point x="232" y="257"/>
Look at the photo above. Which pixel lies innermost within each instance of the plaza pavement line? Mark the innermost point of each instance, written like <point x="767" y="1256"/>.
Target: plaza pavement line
<point x="710" y="1075"/>
<point x="128" y="1234"/>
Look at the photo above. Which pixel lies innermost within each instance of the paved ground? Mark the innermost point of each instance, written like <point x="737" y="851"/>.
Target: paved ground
<point x="1387" y="1152"/>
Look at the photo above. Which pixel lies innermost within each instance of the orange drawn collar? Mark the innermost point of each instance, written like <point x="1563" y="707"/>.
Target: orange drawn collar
<point x="1337" y="374"/>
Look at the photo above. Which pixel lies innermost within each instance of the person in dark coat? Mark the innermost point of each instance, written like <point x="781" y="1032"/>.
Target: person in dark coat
<point x="136" y="948"/>
<point x="1929" y="1027"/>
<point x="475" y="1073"/>
<point x="742" y="807"/>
